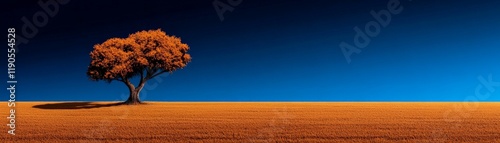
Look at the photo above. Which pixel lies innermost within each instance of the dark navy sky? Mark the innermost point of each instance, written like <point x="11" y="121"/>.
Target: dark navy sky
<point x="280" y="50"/>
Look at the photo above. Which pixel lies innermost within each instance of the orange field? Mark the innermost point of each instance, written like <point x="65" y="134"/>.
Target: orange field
<point x="253" y="122"/>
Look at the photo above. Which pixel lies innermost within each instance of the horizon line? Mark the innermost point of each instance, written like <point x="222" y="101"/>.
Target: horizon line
<point x="389" y="101"/>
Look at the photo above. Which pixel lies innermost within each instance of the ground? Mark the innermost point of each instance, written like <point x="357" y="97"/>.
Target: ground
<point x="253" y="122"/>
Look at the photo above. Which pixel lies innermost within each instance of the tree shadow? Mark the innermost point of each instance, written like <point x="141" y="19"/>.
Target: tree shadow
<point x="76" y="105"/>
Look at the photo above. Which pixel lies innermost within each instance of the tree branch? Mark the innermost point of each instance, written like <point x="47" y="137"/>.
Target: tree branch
<point x="142" y="74"/>
<point x="129" y="84"/>
<point x="142" y="78"/>
<point x="149" y="72"/>
<point x="154" y="75"/>
<point x="120" y="78"/>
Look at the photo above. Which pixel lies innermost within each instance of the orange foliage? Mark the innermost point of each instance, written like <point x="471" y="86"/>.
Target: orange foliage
<point x="145" y="53"/>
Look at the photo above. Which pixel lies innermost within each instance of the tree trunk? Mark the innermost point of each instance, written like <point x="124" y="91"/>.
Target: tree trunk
<point x="133" y="98"/>
<point x="134" y="93"/>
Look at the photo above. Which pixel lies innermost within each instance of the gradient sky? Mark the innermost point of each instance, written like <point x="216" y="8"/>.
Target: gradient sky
<point x="278" y="50"/>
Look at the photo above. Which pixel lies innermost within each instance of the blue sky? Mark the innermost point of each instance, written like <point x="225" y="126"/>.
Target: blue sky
<point x="273" y="51"/>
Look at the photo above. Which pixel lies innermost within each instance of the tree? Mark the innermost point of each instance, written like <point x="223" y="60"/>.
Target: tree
<point x="145" y="54"/>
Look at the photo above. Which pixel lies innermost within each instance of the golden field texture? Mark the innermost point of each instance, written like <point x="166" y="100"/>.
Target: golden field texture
<point x="253" y="122"/>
